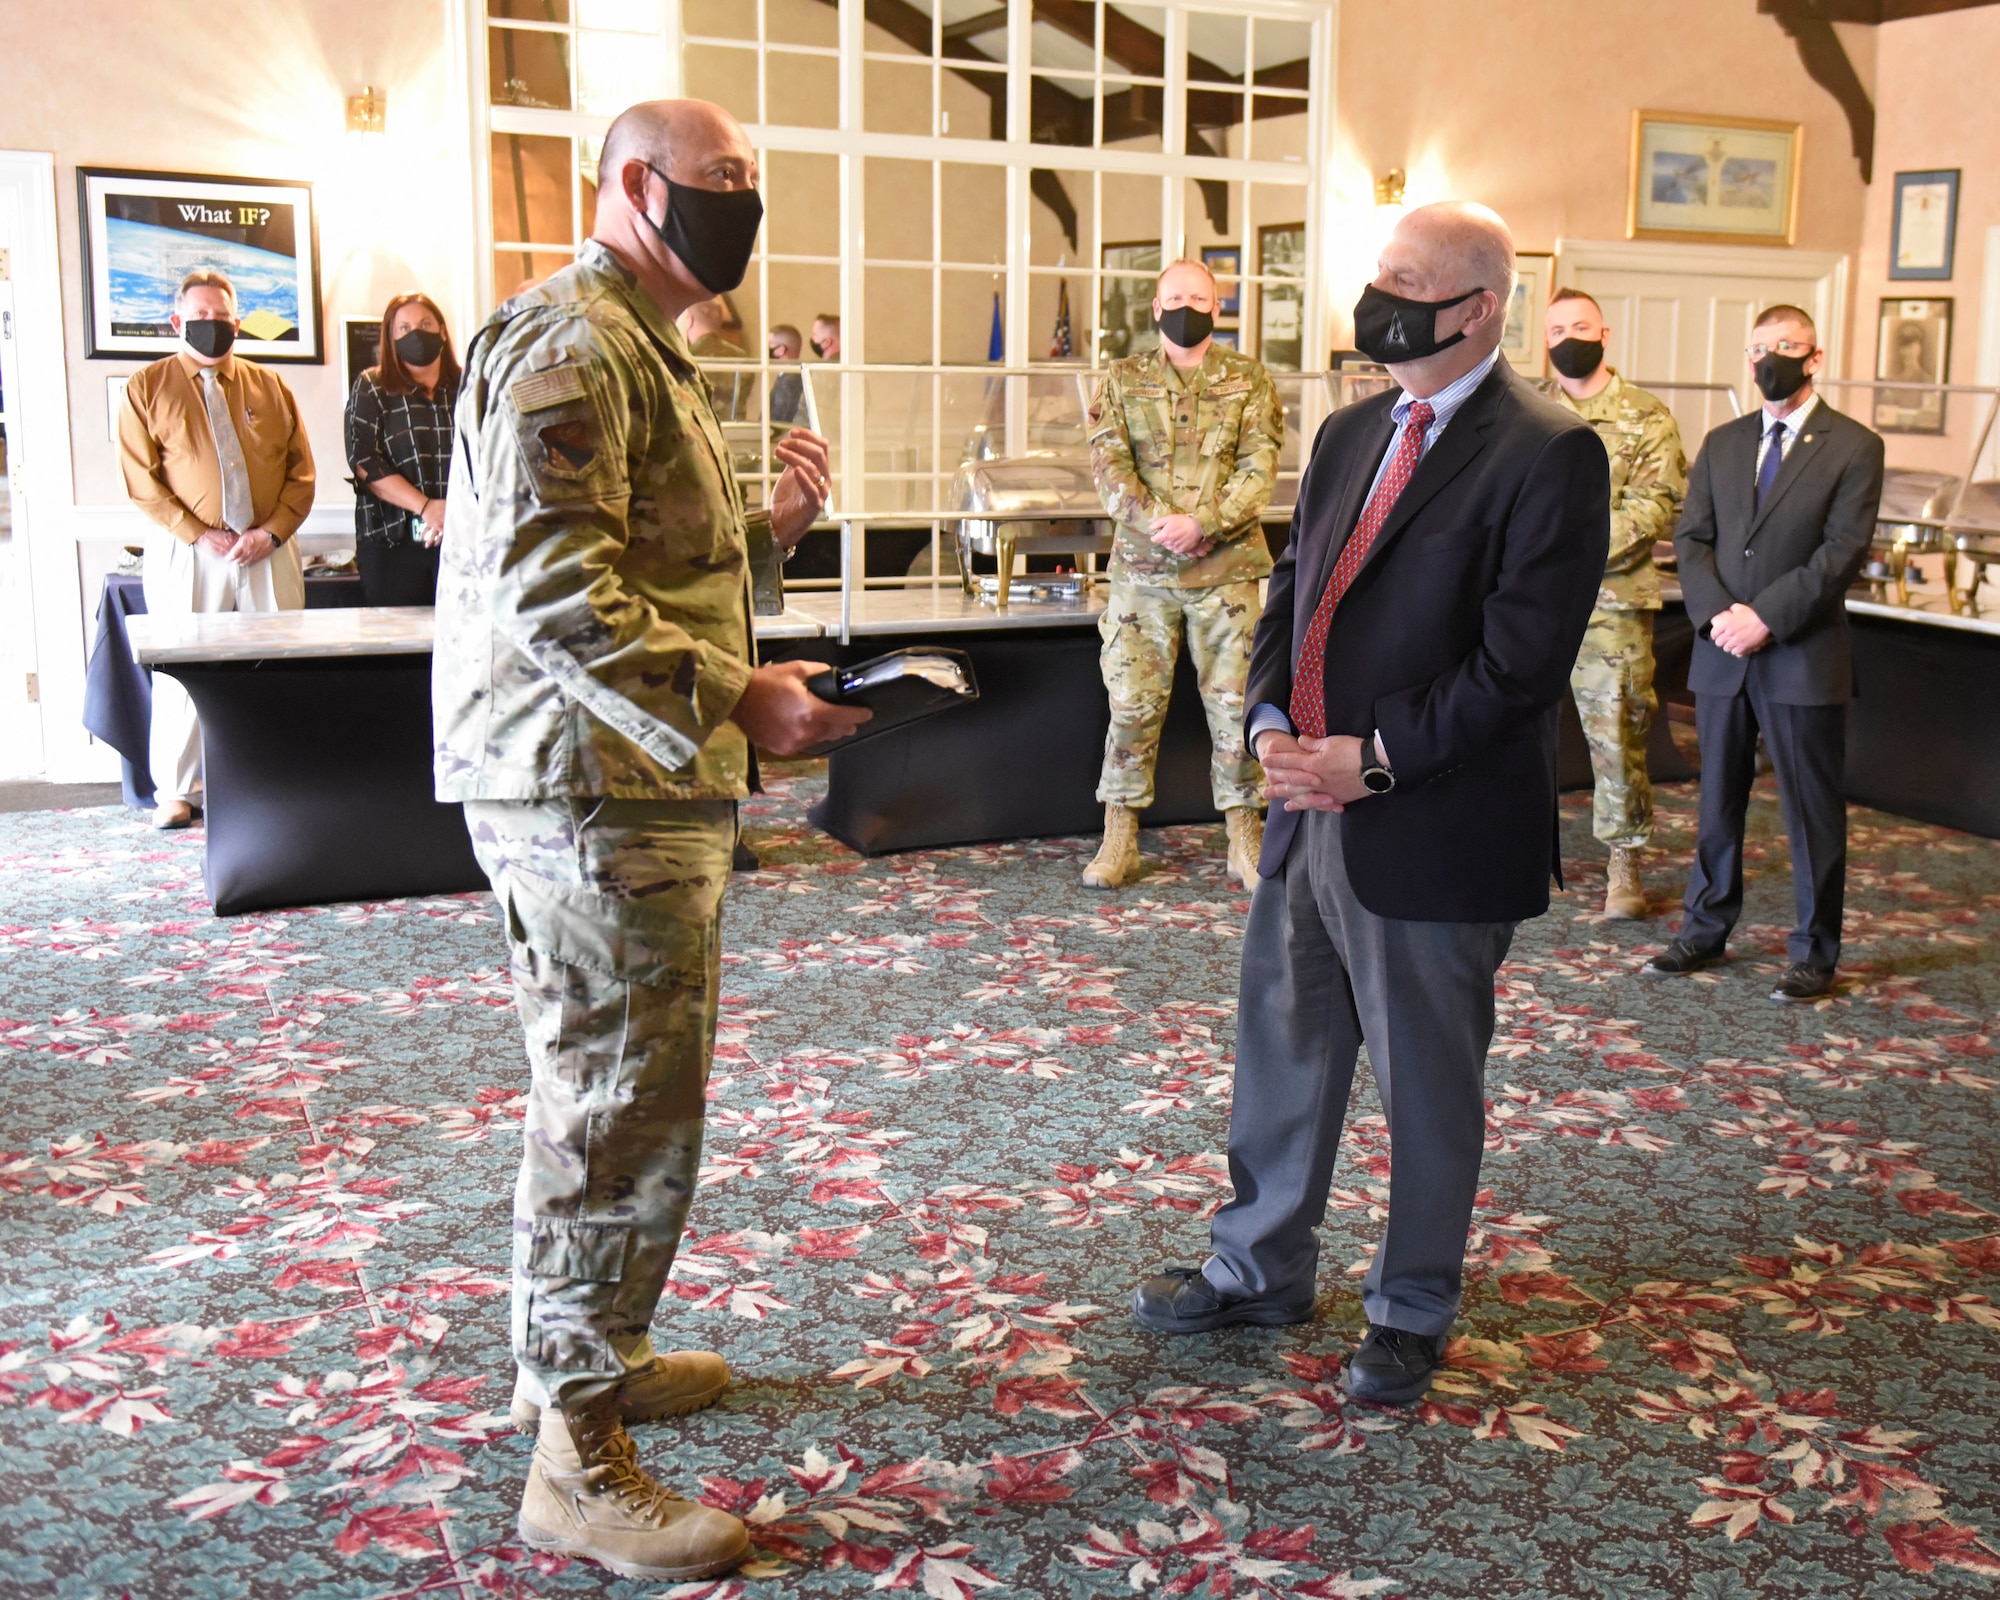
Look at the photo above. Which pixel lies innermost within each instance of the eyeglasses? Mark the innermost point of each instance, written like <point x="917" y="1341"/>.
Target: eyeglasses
<point x="1784" y="347"/>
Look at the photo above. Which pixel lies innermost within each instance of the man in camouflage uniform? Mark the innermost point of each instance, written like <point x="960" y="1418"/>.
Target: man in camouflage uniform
<point x="1613" y="677"/>
<point x="596" y="697"/>
<point x="1184" y="447"/>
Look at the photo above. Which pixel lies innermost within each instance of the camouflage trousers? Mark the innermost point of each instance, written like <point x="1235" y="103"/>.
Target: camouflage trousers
<point x="1141" y="629"/>
<point x="1613" y="685"/>
<point x="613" y="911"/>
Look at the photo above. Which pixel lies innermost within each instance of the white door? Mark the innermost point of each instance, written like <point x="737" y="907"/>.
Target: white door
<point x="1681" y="314"/>
<point x="40" y="612"/>
<point x="20" y="720"/>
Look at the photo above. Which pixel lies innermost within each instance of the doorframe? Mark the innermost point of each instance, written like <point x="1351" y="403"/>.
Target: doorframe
<point x="39" y="447"/>
<point x="1828" y="270"/>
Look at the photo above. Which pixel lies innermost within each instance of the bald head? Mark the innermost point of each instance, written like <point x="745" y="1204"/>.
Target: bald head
<point x="675" y="137"/>
<point x="1453" y="246"/>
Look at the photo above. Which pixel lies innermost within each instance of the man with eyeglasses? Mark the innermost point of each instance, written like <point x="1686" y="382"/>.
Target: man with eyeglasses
<point x="1780" y="510"/>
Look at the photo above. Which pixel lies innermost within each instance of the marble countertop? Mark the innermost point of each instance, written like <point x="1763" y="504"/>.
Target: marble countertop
<point x="337" y="632"/>
<point x="945" y="609"/>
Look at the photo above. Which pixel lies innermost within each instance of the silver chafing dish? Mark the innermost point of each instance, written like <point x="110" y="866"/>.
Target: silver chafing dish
<point x="1974" y="534"/>
<point x="1923" y="514"/>
<point x="1910" y="522"/>
<point x="1025" y="505"/>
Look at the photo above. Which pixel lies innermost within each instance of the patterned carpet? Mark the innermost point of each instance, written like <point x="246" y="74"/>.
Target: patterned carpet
<point x="1731" y="1329"/>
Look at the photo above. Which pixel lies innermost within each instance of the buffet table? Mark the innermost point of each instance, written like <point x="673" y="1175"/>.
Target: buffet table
<point x="1923" y="734"/>
<point x="316" y="753"/>
<point x="1019" y="763"/>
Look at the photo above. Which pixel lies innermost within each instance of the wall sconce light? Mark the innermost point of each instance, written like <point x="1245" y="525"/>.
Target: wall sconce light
<point x="1388" y="187"/>
<point x="368" y="111"/>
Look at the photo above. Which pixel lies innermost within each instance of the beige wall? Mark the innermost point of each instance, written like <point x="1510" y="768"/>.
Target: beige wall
<point x="254" y="90"/>
<point x="1528" y="107"/>
<point x="1936" y="108"/>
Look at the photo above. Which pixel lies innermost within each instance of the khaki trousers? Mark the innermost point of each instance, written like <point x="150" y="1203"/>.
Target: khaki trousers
<point x="184" y="580"/>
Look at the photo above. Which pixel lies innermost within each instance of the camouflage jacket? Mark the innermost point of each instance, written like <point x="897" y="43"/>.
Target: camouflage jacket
<point x="593" y="612"/>
<point x="1203" y="441"/>
<point x="1648" y="483"/>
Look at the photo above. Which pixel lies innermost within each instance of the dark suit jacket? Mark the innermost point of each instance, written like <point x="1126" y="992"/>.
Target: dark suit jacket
<point x="1791" y="561"/>
<point x="1456" y="641"/>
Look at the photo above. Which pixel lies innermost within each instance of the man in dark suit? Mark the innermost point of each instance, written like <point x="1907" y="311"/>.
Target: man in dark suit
<point x="1780" y="508"/>
<point x="1416" y="642"/>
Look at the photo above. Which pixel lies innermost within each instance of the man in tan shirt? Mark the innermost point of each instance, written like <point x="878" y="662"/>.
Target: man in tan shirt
<point x="214" y="453"/>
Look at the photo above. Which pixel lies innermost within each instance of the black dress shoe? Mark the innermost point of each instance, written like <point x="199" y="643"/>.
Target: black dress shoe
<point x="744" y="859"/>
<point x="1803" y="981"/>
<point x="1393" y="1367"/>
<point x="1680" y="958"/>
<point x="1181" y="1300"/>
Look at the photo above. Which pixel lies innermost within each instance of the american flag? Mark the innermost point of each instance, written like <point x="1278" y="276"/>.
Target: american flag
<point x="1061" y="346"/>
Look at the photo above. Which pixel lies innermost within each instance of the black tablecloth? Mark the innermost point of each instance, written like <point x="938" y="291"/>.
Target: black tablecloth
<point x="118" y="692"/>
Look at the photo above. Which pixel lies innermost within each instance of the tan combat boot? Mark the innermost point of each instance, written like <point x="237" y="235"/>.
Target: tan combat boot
<point x="1117" y="859"/>
<point x="1624" y="894"/>
<point x="675" y="1384"/>
<point x="1246" y="843"/>
<point x="588" y="1496"/>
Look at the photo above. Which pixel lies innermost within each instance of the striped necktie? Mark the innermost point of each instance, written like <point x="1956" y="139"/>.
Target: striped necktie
<point x="237" y="513"/>
<point x="1309" y="682"/>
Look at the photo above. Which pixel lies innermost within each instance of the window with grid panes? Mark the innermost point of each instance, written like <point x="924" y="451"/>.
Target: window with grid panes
<point x="923" y="193"/>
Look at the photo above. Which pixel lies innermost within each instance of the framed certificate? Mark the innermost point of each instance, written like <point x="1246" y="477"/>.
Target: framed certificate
<point x="1924" y="229"/>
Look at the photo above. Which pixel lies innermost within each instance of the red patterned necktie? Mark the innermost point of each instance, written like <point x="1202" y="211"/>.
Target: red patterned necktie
<point x="1309" y="681"/>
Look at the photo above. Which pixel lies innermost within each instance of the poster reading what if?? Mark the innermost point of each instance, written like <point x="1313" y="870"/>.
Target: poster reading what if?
<point x="146" y="231"/>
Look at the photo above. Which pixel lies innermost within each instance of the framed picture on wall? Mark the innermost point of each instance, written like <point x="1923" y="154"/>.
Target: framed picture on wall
<point x="360" y="345"/>
<point x="1226" y="262"/>
<point x="1913" y="346"/>
<point x="1523" y="344"/>
<point x="1228" y="338"/>
<point x="145" y="231"/>
<point x="1125" y="307"/>
<point x="1924" y="226"/>
<point x="1729" y="180"/>
<point x="1281" y="305"/>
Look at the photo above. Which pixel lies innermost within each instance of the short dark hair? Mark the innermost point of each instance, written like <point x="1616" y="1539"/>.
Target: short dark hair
<point x="1561" y="295"/>
<point x="1784" y="313"/>
<point x="830" y="318"/>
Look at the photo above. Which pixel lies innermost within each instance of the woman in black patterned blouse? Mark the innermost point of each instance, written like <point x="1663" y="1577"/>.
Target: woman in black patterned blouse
<point x="399" y="437"/>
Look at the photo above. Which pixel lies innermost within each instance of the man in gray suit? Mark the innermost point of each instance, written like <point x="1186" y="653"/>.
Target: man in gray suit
<point x="1446" y="551"/>
<point x="1780" y="509"/>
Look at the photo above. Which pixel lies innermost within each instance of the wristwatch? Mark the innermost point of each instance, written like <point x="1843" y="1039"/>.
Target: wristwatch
<point x="1376" y="777"/>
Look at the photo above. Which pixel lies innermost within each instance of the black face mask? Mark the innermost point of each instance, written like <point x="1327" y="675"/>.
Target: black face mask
<point x="210" y="339"/>
<point x="1389" y="328"/>
<point x="713" y="231"/>
<point x="1186" y="326"/>
<point x="420" y="347"/>
<point x="819" y="349"/>
<point x="1781" y="377"/>
<point x="1577" y="358"/>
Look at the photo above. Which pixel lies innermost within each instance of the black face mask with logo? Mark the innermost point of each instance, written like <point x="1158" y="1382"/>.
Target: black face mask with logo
<point x="420" y="347"/>
<point x="1577" y="358"/>
<point x="1780" y="377"/>
<point x="1186" y="326"/>
<point x="1389" y="329"/>
<point x="713" y="231"/>
<point x="209" y="338"/>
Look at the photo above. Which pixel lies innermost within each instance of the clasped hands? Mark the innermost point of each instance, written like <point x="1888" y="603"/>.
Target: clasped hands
<point x="245" y="549"/>
<point x="1181" y="534"/>
<point x="1310" y="774"/>
<point x="1739" y="630"/>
